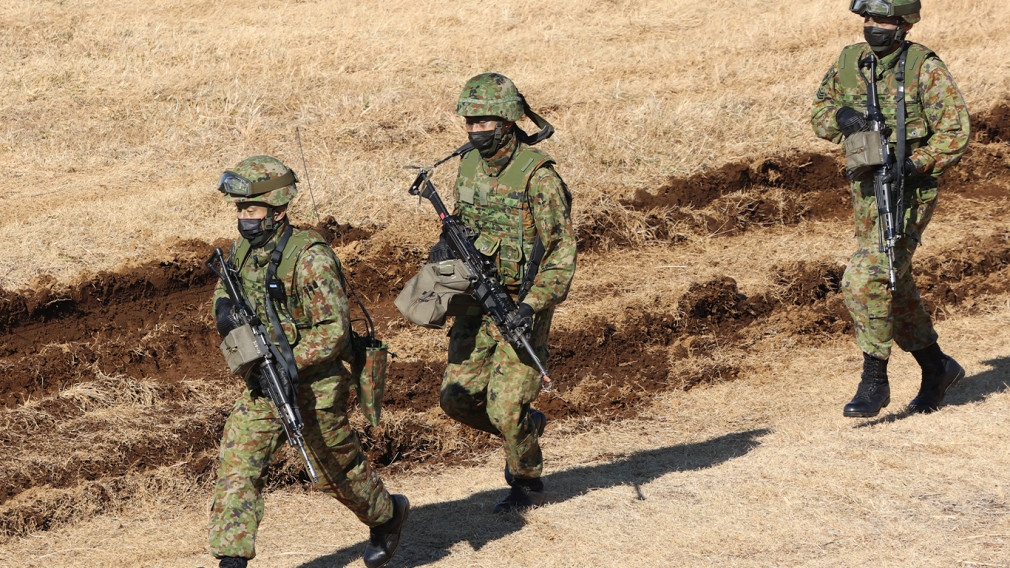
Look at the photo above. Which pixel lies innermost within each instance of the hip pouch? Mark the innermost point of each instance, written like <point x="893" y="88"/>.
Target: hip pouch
<point x="864" y="154"/>
<point x="371" y="361"/>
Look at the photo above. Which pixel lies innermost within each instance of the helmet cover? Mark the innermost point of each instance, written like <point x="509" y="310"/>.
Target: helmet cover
<point x="259" y="179"/>
<point x="491" y="94"/>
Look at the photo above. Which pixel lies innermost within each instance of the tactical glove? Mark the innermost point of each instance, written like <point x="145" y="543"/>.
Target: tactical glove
<point x="441" y="251"/>
<point x="850" y="121"/>
<point x="525" y="318"/>
<point x="223" y="309"/>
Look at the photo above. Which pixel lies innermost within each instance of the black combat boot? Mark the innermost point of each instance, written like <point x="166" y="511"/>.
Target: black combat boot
<point x="939" y="373"/>
<point x="525" y="494"/>
<point x="873" y="393"/>
<point x="540" y="419"/>
<point x="384" y="539"/>
<point x="233" y="562"/>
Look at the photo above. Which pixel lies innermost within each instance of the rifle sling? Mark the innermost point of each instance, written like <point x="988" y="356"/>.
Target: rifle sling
<point x="901" y="144"/>
<point x="287" y="356"/>
<point x="532" y="267"/>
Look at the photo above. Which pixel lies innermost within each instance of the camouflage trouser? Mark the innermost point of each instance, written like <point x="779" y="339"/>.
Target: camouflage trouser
<point x="252" y="434"/>
<point x="880" y="317"/>
<point x="489" y="387"/>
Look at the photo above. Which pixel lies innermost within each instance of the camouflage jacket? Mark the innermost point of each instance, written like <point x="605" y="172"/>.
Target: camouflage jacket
<point x="937" y="124"/>
<point x="316" y="315"/>
<point x="510" y="199"/>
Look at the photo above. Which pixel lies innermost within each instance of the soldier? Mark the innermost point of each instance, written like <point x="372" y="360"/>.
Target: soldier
<point x="508" y="191"/>
<point x="935" y="135"/>
<point x="314" y="316"/>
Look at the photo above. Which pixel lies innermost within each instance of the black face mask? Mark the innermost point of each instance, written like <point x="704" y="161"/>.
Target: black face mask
<point x="253" y="231"/>
<point x="485" y="142"/>
<point x="881" y="39"/>
<point x="489" y="142"/>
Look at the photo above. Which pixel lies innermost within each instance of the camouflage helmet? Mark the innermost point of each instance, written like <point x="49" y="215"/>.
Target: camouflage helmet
<point x="491" y="94"/>
<point x="907" y="10"/>
<point x="259" y="179"/>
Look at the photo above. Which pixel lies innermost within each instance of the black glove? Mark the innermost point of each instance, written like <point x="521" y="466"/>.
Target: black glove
<point x="850" y="121"/>
<point x="908" y="168"/>
<point x="441" y="251"/>
<point x="525" y="316"/>
<point x="223" y="309"/>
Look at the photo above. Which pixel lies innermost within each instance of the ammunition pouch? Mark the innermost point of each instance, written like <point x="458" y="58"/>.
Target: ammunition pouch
<point x="864" y="154"/>
<point x="438" y="290"/>
<point x="371" y="360"/>
<point x="242" y="350"/>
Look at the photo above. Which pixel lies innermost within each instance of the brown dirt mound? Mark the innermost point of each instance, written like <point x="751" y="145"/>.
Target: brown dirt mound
<point x="780" y="190"/>
<point x="149" y="320"/>
<point x="801" y="172"/>
<point x="151" y="323"/>
<point x="992" y="125"/>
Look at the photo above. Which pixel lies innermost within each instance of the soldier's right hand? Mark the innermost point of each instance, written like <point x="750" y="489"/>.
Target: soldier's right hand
<point x="850" y="121"/>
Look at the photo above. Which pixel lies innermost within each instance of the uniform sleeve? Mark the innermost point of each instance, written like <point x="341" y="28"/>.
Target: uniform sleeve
<point x="822" y="115"/>
<point x="551" y="207"/>
<point x="947" y="116"/>
<point x="323" y="301"/>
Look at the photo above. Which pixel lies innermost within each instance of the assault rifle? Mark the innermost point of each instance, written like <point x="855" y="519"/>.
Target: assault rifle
<point x="252" y="337"/>
<point x="486" y="288"/>
<point x="888" y="182"/>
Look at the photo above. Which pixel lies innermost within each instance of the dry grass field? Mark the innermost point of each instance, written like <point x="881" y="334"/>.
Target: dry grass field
<point x="702" y="358"/>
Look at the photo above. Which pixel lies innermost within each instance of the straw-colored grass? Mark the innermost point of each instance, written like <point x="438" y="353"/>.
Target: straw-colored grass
<point x="119" y="116"/>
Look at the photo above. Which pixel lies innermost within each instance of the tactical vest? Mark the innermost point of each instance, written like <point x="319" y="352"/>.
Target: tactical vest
<point x="498" y="208"/>
<point x="253" y="280"/>
<point x="852" y="90"/>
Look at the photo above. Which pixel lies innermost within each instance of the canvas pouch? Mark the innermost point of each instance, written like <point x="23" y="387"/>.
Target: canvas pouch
<point x="241" y="350"/>
<point x="371" y="361"/>
<point x="438" y="290"/>
<point x="864" y="154"/>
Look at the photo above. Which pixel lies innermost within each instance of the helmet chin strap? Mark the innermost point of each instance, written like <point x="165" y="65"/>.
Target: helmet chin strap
<point x="899" y="37"/>
<point x="269" y="224"/>
<point x="499" y="135"/>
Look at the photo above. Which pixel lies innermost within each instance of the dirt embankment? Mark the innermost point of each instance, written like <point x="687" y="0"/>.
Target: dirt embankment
<point x="136" y="351"/>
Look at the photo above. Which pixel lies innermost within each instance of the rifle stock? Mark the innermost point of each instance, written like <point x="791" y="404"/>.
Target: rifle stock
<point x="486" y="288"/>
<point x="273" y="379"/>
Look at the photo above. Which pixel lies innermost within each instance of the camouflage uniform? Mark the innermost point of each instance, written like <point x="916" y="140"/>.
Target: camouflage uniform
<point x="315" y="319"/>
<point x="511" y="198"/>
<point x="937" y="130"/>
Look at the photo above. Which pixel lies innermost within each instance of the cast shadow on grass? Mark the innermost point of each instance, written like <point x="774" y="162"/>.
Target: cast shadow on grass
<point x="973" y="388"/>
<point x="433" y="530"/>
